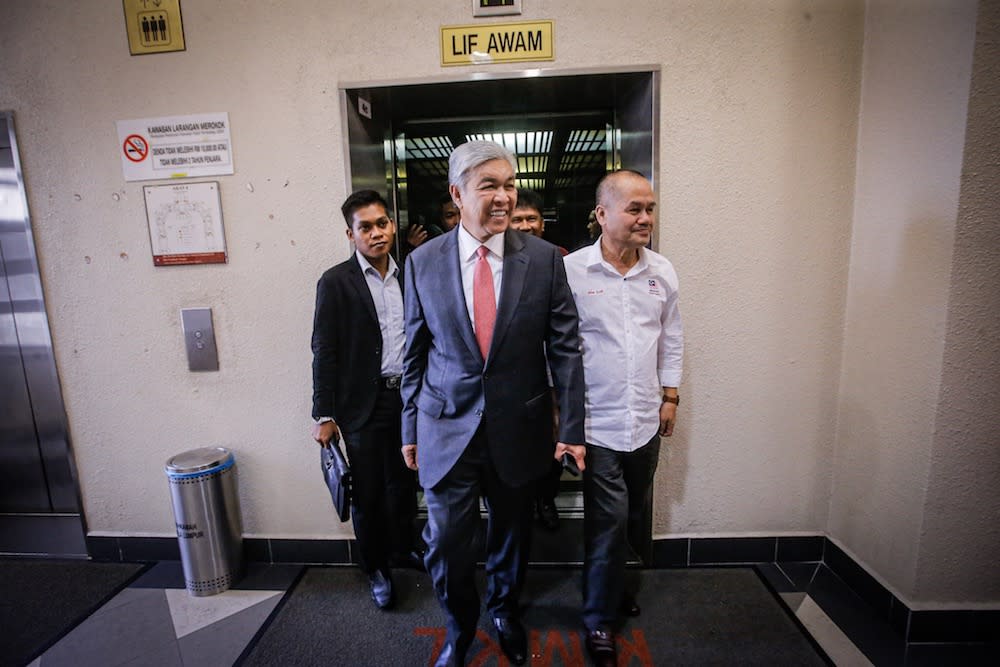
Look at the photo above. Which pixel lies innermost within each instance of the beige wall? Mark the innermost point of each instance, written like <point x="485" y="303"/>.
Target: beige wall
<point x="963" y="497"/>
<point x="917" y="64"/>
<point x="758" y="147"/>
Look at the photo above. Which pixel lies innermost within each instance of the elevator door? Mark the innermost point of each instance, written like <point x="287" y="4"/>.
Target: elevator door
<point x="566" y="130"/>
<point x="39" y="500"/>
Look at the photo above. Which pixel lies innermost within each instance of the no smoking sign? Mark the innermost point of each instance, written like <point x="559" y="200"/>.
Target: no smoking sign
<point x="136" y="147"/>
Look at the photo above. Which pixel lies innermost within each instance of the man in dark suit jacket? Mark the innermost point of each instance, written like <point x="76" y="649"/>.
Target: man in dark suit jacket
<point x="357" y="347"/>
<point x="477" y="407"/>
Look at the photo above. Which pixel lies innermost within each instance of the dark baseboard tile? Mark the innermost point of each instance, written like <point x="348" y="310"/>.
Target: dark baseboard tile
<point x="133" y="549"/>
<point x="732" y="550"/>
<point x="800" y="549"/>
<point x="857" y="578"/>
<point x="961" y="625"/>
<point x="701" y="551"/>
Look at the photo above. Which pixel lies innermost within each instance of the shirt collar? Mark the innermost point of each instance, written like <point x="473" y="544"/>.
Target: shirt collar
<point x="467" y="243"/>
<point x="366" y="265"/>
<point x="596" y="259"/>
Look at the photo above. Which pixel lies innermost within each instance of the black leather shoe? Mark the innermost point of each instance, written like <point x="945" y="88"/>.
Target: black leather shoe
<point x="629" y="606"/>
<point x="602" y="649"/>
<point x="450" y="656"/>
<point x="411" y="560"/>
<point x="548" y="514"/>
<point x="382" y="593"/>
<point x="513" y="641"/>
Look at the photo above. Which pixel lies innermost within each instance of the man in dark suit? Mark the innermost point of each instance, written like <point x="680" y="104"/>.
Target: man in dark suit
<point x="357" y="347"/>
<point x="487" y="311"/>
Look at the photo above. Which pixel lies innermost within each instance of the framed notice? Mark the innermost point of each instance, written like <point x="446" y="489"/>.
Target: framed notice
<point x="185" y="224"/>
<point x="495" y="7"/>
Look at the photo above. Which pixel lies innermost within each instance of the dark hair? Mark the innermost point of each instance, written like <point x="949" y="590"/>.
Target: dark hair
<point x="445" y="199"/>
<point x="360" y="199"/>
<point x="529" y="199"/>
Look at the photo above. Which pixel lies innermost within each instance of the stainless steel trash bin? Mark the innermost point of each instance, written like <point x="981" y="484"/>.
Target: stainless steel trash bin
<point x="207" y="516"/>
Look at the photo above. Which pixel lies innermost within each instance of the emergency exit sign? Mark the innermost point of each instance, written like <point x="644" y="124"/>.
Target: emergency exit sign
<point x="497" y="43"/>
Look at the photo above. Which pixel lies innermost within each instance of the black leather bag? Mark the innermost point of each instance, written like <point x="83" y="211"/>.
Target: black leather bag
<point x="337" y="474"/>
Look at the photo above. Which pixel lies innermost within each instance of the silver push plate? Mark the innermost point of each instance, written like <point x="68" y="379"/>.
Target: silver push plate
<point x="199" y="339"/>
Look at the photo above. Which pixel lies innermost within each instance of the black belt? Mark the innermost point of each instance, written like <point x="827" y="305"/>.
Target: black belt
<point x="391" y="382"/>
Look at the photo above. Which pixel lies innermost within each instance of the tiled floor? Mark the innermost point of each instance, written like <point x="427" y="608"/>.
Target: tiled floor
<point x="155" y="622"/>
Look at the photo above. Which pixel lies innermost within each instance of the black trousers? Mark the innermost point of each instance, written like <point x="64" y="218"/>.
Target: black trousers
<point x="384" y="503"/>
<point x="617" y="486"/>
<point x="453" y="524"/>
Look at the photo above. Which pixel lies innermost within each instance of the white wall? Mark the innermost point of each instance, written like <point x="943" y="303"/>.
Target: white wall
<point x="759" y="118"/>
<point x="960" y="535"/>
<point x="917" y="64"/>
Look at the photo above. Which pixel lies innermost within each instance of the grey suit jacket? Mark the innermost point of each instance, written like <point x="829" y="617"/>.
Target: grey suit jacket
<point x="448" y="390"/>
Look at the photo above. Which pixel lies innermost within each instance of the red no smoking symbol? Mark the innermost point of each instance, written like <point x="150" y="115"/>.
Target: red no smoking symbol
<point x="136" y="147"/>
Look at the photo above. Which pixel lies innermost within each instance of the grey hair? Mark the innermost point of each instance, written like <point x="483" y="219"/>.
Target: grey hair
<point x="470" y="155"/>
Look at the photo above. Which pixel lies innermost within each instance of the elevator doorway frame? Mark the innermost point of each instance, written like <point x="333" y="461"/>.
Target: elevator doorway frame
<point x="370" y="149"/>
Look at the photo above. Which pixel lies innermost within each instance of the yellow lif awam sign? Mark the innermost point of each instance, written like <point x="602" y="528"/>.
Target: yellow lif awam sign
<point x="497" y="43"/>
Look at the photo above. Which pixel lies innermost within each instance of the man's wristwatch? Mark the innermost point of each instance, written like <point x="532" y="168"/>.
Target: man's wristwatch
<point x="676" y="400"/>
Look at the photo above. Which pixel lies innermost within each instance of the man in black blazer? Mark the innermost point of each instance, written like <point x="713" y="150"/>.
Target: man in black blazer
<point x="357" y="347"/>
<point x="487" y="311"/>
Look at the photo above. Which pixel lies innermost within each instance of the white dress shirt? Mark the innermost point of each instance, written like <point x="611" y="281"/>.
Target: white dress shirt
<point x="632" y="339"/>
<point x="467" y="247"/>
<point x="388" y="298"/>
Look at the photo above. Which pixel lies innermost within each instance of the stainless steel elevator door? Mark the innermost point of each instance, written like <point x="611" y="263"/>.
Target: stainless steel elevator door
<point x="39" y="498"/>
<point x="22" y="477"/>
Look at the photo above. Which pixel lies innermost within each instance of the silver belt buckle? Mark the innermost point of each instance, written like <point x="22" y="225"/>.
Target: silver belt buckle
<point x="392" y="382"/>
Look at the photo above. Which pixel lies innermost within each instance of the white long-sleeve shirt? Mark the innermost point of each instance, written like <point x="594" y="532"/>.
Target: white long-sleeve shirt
<point x="632" y="339"/>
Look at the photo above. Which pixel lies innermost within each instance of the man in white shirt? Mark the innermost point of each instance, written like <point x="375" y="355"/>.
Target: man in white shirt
<point x="632" y="340"/>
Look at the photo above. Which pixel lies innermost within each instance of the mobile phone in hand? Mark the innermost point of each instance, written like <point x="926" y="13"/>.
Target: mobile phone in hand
<point x="569" y="464"/>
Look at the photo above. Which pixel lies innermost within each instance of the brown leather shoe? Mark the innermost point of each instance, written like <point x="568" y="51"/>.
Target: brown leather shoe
<point x="602" y="649"/>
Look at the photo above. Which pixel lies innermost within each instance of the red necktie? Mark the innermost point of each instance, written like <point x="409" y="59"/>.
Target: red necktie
<point x="484" y="303"/>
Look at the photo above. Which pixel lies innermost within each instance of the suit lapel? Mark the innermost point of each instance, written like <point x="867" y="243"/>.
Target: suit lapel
<point x="454" y="293"/>
<point x="515" y="273"/>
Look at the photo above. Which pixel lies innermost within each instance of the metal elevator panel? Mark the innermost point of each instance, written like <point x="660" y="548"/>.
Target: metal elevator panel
<point x="37" y="474"/>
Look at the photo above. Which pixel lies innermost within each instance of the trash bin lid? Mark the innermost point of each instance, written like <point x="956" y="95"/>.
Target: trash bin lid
<point x="200" y="460"/>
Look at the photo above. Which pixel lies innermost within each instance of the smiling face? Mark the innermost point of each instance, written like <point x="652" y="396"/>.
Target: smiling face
<point x="529" y="220"/>
<point x="487" y="198"/>
<point x="373" y="232"/>
<point x="626" y="211"/>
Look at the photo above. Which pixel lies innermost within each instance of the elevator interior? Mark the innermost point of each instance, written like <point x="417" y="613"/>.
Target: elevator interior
<point x="567" y="129"/>
<point x="39" y="498"/>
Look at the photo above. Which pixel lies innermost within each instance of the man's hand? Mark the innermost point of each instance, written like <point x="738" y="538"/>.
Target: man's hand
<point x="410" y="456"/>
<point x="415" y="235"/>
<point x="578" y="452"/>
<point x="668" y="414"/>
<point x="325" y="433"/>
